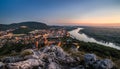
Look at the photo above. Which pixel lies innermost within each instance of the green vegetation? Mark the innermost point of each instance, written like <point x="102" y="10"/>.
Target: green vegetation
<point x="10" y="49"/>
<point x="22" y="31"/>
<point x="26" y="52"/>
<point x="103" y="34"/>
<point x="88" y="47"/>
<point x="100" y="50"/>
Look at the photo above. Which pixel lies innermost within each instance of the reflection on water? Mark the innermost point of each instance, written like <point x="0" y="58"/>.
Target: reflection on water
<point x="83" y="37"/>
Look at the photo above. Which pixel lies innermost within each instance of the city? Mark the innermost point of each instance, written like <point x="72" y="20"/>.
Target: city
<point x="39" y="37"/>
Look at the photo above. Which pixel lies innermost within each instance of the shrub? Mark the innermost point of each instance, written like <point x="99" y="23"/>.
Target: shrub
<point x="26" y="52"/>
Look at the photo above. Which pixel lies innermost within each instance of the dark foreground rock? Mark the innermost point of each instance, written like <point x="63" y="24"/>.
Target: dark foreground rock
<point x="92" y="62"/>
<point x="53" y="57"/>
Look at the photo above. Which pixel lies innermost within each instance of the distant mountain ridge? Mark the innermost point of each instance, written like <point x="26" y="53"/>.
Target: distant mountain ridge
<point x="30" y="24"/>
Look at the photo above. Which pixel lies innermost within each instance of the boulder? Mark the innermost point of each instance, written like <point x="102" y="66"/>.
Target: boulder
<point x="25" y="64"/>
<point x="89" y="59"/>
<point x="2" y="65"/>
<point x="104" y="64"/>
<point x="53" y="65"/>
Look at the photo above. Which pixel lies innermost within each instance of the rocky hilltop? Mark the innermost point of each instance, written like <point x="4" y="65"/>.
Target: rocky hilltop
<point x="53" y="57"/>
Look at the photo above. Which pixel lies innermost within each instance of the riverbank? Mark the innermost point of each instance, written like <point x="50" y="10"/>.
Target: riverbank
<point x="83" y="37"/>
<point x="103" y="34"/>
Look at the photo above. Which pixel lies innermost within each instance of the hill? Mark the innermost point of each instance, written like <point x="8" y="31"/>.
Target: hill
<point x="32" y="25"/>
<point x="3" y="27"/>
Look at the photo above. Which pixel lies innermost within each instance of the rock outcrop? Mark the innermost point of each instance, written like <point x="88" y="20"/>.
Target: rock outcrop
<point x="92" y="62"/>
<point x="53" y="57"/>
<point x="89" y="59"/>
<point x="2" y="65"/>
<point x="103" y="64"/>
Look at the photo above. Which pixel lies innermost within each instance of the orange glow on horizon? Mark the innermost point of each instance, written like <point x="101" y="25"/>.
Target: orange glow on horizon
<point x="93" y="21"/>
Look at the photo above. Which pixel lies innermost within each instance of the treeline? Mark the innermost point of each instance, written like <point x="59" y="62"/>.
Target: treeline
<point x="103" y="34"/>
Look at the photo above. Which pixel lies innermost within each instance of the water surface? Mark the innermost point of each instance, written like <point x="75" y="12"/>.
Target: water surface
<point x="83" y="37"/>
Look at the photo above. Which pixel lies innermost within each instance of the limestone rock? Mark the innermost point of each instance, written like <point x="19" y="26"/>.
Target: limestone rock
<point x="53" y="57"/>
<point x="90" y="59"/>
<point x="53" y="65"/>
<point x="2" y="65"/>
<point x="104" y="64"/>
<point x="25" y="64"/>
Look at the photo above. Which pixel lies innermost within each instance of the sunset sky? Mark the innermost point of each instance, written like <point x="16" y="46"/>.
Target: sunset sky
<point x="61" y="12"/>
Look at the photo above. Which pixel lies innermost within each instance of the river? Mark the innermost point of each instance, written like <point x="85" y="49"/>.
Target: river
<point x="83" y="37"/>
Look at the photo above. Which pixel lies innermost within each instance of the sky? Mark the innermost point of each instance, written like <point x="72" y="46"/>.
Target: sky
<point x="61" y="12"/>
